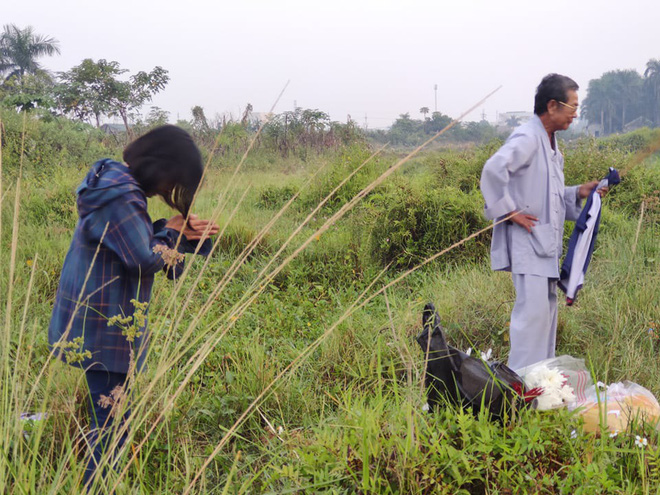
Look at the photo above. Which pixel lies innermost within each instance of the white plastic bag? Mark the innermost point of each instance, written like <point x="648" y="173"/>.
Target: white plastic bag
<point x="620" y="403"/>
<point x="572" y="369"/>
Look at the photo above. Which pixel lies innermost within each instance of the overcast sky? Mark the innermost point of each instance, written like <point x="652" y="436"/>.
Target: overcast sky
<point x="373" y="58"/>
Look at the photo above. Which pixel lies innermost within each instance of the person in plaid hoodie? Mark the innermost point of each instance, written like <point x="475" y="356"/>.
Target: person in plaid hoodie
<point x="110" y="266"/>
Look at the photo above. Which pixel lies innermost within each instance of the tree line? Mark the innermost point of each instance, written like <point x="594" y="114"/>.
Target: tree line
<point x="88" y="91"/>
<point x="94" y="90"/>
<point x="406" y="131"/>
<point x="618" y="101"/>
<point x="621" y="100"/>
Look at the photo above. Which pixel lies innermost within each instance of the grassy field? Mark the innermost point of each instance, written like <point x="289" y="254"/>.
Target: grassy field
<point x="286" y="362"/>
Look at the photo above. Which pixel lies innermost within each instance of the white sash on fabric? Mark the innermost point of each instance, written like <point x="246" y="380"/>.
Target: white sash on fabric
<point x="581" y="252"/>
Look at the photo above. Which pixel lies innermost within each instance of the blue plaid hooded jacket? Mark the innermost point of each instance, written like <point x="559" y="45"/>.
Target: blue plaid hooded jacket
<point x="93" y="287"/>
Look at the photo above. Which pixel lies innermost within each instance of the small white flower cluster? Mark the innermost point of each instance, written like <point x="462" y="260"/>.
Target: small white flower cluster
<point x="556" y="392"/>
<point x="641" y="442"/>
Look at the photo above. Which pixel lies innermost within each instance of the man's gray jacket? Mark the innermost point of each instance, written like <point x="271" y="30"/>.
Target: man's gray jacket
<point x="526" y="174"/>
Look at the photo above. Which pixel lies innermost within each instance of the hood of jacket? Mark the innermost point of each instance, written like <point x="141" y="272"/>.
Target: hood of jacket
<point x="106" y="181"/>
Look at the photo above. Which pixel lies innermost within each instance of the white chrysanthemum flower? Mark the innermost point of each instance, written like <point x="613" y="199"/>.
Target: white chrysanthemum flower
<point x="556" y="392"/>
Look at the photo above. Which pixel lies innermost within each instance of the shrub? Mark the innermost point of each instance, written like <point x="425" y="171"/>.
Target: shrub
<point x="337" y="170"/>
<point x="411" y="224"/>
<point x="641" y="183"/>
<point x="586" y="160"/>
<point x="274" y="197"/>
<point x="631" y="142"/>
<point x="49" y="207"/>
<point x="51" y="143"/>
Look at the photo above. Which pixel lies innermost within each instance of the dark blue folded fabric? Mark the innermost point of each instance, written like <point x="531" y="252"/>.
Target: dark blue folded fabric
<point x="579" y="230"/>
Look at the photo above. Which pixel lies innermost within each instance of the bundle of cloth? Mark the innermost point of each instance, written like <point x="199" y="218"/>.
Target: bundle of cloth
<point x="582" y="241"/>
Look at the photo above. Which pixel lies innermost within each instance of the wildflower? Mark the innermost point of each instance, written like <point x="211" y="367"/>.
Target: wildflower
<point x="614" y="434"/>
<point x="29" y="262"/>
<point x="171" y="257"/>
<point x="132" y="325"/>
<point x="641" y="442"/>
<point x="486" y="355"/>
<point x="574" y="434"/>
<point x="73" y="351"/>
<point x="426" y="407"/>
<point x="468" y="351"/>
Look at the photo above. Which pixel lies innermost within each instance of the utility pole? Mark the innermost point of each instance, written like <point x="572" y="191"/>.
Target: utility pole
<point x="435" y="88"/>
<point x="366" y="123"/>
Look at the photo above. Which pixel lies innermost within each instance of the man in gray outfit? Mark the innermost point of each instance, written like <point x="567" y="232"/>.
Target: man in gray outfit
<point x="526" y="176"/>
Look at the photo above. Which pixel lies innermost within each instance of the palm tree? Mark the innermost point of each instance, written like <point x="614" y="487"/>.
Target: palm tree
<point x="652" y="83"/>
<point x="628" y="86"/>
<point x="424" y="111"/>
<point x="513" y="121"/>
<point x="20" y="49"/>
<point x="598" y="106"/>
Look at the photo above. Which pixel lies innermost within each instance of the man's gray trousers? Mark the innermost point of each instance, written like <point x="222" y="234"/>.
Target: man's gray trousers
<point x="533" y="329"/>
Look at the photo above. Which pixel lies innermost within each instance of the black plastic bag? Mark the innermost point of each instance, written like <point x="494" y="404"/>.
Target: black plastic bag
<point x="454" y="376"/>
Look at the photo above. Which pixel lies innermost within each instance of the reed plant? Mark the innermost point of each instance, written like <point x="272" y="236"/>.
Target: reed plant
<point x="285" y="361"/>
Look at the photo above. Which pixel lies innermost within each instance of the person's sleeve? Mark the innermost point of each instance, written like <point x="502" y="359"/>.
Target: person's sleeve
<point x="513" y="156"/>
<point x="573" y="202"/>
<point x="130" y="234"/>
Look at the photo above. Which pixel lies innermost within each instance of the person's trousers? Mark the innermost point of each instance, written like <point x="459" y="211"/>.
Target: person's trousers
<point x="533" y="330"/>
<point x="103" y="394"/>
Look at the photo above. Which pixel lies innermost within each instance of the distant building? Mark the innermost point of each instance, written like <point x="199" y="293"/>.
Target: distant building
<point x="513" y="119"/>
<point x="594" y="129"/>
<point x="260" y="117"/>
<point x="637" y="123"/>
<point x="113" y="128"/>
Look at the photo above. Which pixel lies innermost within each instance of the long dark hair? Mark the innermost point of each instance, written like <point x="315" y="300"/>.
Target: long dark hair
<point x="166" y="161"/>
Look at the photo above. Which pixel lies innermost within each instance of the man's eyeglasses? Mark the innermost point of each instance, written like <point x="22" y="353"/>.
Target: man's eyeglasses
<point x="574" y="108"/>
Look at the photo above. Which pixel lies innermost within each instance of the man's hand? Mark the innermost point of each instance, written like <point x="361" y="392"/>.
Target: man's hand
<point x="587" y="187"/>
<point x="524" y="220"/>
<point x="196" y="228"/>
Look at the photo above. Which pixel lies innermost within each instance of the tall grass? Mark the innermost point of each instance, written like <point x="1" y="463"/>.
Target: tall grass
<point x="263" y="379"/>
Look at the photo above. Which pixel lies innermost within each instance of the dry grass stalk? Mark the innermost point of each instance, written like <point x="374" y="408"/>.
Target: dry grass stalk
<point x="634" y="246"/>
<point x="2" y="197"/>
<point x="14" y="235"/>
<point x="319" y="232"/>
